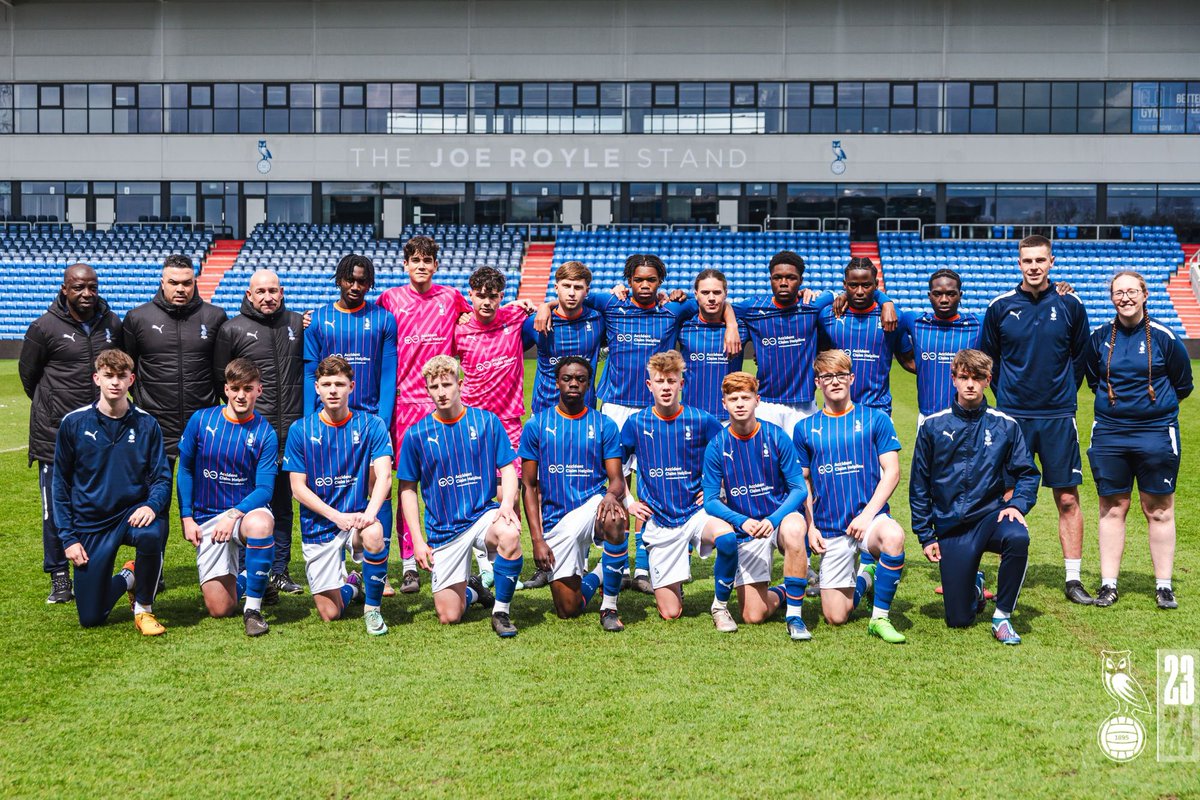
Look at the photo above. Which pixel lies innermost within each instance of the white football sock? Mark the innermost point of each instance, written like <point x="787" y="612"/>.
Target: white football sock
<point x="253" y="603"/>
<point x="1072" y="566"/>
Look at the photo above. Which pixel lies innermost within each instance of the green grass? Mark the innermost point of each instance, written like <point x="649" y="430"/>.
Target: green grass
<point x="664" y="709"/>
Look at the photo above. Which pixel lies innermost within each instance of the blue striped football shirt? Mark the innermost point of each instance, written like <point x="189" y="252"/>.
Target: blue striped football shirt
<point x="861" y="334"/>
<point x="785" y="344"/>
<point x="756" y="473"/>
<point x="841" y="454"/>
<point x="634" y="334"/>
<point x="336" y="461"/>
<point x="670" y="454"/>
<point x="570" y="453"/>
<point x="582" y="336"/>
<point x="365" y="337"/>
<point x="224" y="464"/>
<point x="702" y="345"/>
<point x="934" y="343"/>
<point x="455" y="464"/>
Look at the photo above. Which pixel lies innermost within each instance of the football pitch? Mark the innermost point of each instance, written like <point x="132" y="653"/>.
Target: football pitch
<point x="668" y="709"/>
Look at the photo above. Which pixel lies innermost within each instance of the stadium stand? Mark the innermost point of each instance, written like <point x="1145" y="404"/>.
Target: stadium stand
<point x="305" y="257"/>
<point x="988" y="267"/>
<point x="743" y="256"/>
<point x="128" y="261"/>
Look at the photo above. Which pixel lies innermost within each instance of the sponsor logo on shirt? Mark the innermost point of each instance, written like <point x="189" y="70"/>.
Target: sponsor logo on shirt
<point x="91" y="434"/>
<point x="987" y="438"/>
<point x="132" y="436"/>
<point x="70" y="336"/>
<point x="203" y="331"/>
<point x="158" y="328"/>
<point x="1014" y="313"/>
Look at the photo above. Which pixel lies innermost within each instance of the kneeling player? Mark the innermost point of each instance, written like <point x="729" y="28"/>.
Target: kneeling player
<point x="232" y="449"/>
<point x="964" y="461"/>
<point x="754" y="464"/>
<point x="453" y="453"/>
<point x="111" y="486"/>
<point x="668" y="440"/>
<point x="568" y="454"/>
<point x="849" y="455"/>
<point x="336" y="457"/>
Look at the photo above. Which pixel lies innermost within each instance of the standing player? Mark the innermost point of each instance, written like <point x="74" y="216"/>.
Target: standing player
<point x="935" y="339"/>
<point x="850" y="456"/>
<point x="227" y="463"/>
<point x="57" y="363"/>
<point x="111" y="484"/>
<point x="340" y="464"/>
<point x="860" y="333"/>
<point x="702" y="344"/>
<point x="365" y="335"/>
<point x="668" y="440"/>
<point x="454" y="454"/>
<point x="753" y="466"/>
<point x="578" y="331"/>
<point x="972" y="483"/>
<point x="783" y="327"/>
<point x="1139" y="372"/>
<point x="569" y="453"/>
<point x="1036" y="339"/>
<point x="425" y="315"/>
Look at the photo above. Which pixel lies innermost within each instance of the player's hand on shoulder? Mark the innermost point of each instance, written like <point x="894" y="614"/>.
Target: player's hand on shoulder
<point x="542" y="321"/>
<point x="640" y="510"/>
<point x="1062" y="287"/>
<point x="620" y="292"/>
<point x="77" y="555"/>
<point x="1013" y="514"/>
<point x="464" y="318"/>
<point x="807" y="296"/>
<point x="525" y="305"/>
<point x="815" y="540"/>
<point x="733" y="341"/>
<point x="141" y="516"/>
<point x="933" y="552"/>
<point x="888" y="318"/>
<point x="840" y="303"/>
<point x="307" y="318"/>
<point x="191" y="531"/>
<point x="675" y="296"/>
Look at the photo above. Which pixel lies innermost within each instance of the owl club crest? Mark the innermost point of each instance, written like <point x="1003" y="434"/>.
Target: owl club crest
<point x="1122" y="736"/>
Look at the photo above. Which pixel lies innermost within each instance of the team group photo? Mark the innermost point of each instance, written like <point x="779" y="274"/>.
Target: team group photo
<point x="562" y="429"/>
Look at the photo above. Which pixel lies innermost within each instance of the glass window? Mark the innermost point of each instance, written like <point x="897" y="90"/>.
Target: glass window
<point x="1037" y="120"/>
<point x="850" y="120"/>
<point x="250" y="95"/>
<point x="1117" y="120"/>
<point x="811" y="200"/>
<point x="1145" y="107"/>
<point x="823" y="94"/>
<point x="770" y="95"/>
<point x="1021" y="204"/>
<point x="484" y="95"/>
<point x="225" y="95"/>
<point x="125" y="96"/>
<point x="300" y="120"/>
<point x="958" y="94"/>
<point x="1131" y="204"/>
<point x="404" y="95"/>
<point x="850" y="94"/>
<point x="904" y="94"/>
<point x="983" y="94"/>
<point x="75" y="95"/>
<point x="26" y="95"/>
<point x="1064" y="94"/>
<point x="744" y="94"/>
<point x="429" y="95"/>
<point x="75" y="120"/>
<point x="329" y="95"/>
<point x="250" y="120"/>
<point x="99" y="95"/>
<point x="277" y="95"/>
<point x="875" y="95"/>
<point x="1091" y="94"/>
<point x="1009" y="120"/>
<point x="691" y="95"/>
<point x="664" y="94"/>
<point x="225" y="120"/>
<point x="797" y="95"/>
<point x="966" y="203"/>
<point x="454" y="95"/>
<point x="1062" y="120"/>
<point x="50" y="120"/>
<point x="716" y="94"/>
<point x="354" y="95"/>
<point x="509" y="94"/>
<point x="379" y="95"/>
<point x="1071" y="203"/>
<point x="904" y="120"/>
<point x="200" y="96"/>
<point x="50" y="96"/>
<point x="1091" y="120"/>
<point x="875" y="120"/>
<point x="929" y="95"/>
<point x="983" y="120"/>
<point x="150" y="95"/>
<point x="612" y="95"/>
<point x="1037" y="94"/>
<point x="1010" y="95"/>
<point x="587" y="94"/>
<point x="957" y="120"/>
<point x="1117" y="94"/>
<point x="560" y="95"/>
<point x="533" y="95"/>
<point x="823" y="120"/>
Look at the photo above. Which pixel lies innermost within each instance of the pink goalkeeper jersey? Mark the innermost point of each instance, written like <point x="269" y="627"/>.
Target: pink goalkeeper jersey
<point x="493" y="360"/>
<point x="424" y="328"/>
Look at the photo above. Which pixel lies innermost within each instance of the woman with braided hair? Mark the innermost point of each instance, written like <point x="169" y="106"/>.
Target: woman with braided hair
<point x="1139" y="371"/>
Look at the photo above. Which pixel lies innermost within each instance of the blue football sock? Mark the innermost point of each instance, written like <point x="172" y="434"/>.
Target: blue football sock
<point x="887" y="577"/>
<point x="779" y="592"/>
<point x="386" y="519"/>
<point x="865" y="558"/>
<point x="860" y="587"/>
<point x="614" y="560"/>
<point x="589" y="584"/>
<point x="507" y="572"/>
<point x="260" y="555"/>
<point x="794" y="590"/>
<point x="641" y="559"/>
<point x="241" y="584"/>
<point x="472" y="596"/>
<point x="348" y="591"/>
<point x="374" y="571"/>
<point x="725" y="566"/>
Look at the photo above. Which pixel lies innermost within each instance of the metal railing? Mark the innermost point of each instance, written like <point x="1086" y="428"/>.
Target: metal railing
<point x="898" y="224"/>
<point x="1017" y="231"/>
<point x="818" y="224"/>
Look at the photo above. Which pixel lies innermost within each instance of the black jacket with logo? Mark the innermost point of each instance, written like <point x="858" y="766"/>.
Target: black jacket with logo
<point x="57" y="362"/>
<point x="275" y="343"/>
<point x="172" y="350"/>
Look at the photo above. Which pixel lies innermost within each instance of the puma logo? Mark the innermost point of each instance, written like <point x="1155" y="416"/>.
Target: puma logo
<point x="728" y="455"/>
<point x="1016" y="314"/>
<point x="949" y="435"/>
<point x="316" y="439"/>
<point x="330" y="323"/>
<point x="70" y="336"/>
<point x="253" y="335"/>
<point x="211" y="429"/>
<point x="433" y="439"/>
<point x="158" y="328"/>
<point x="648" y="434"/>
<point x="91" y="434"/>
